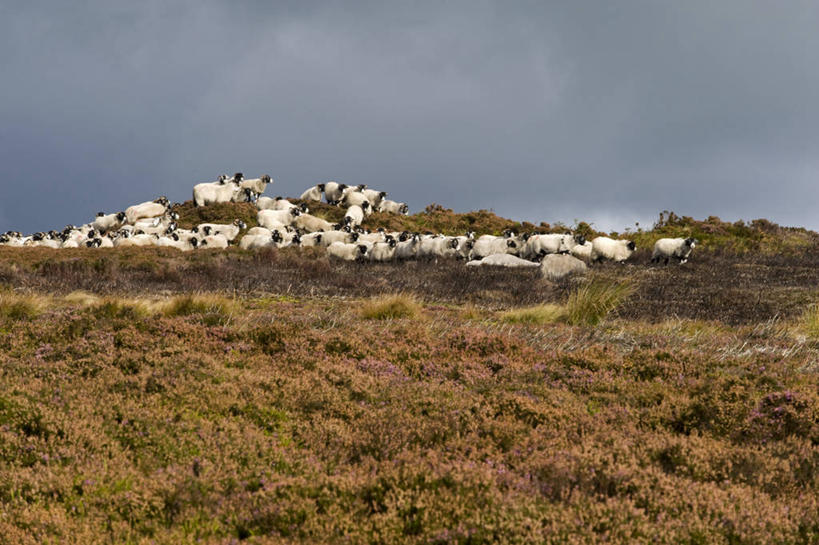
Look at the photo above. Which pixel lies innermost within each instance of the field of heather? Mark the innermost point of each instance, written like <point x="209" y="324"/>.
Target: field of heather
<point x="149" y="396"/>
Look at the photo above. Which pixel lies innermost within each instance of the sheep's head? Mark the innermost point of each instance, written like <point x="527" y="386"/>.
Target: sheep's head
<point x="163" y="200"/>
<point x="4" y="239"/>
<point x="365" y="205"/>
<point x="240" y="224"/>
<point x="511" y="243"/>
<point x="403" y="209"/>
<point x="361" y="187"/>
<point x="303" y="208"/>
<point x="392" y="242"/>
<point x="100" y="214"/>
<point x="321" y="187"/>
<point x="317" y="239"/>
<point x="296" y="239"/>
<point x="92" y="234"/>
<point x="238" y="177"/>
<point x="276" y="237"/>
<point x="121" y="216"/>
<point x="690" y="242"/>
<point x="347" y="220"/>
<point x="354" y="237"/>
<point x="342" y="187"/>
<point x="362" y="249"/>
<point x="266" y="179"/>
<point x="295" y="212"/>
<point x="222" y="178"/>
<point x="631" y="245"/>
<point x="580" y="239"/>
<point x="193" y="241"/>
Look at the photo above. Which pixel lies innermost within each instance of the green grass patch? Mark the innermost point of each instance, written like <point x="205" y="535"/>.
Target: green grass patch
<point x="540" y="314"/>
<point x="591" y="303"/>
<point x="390" y="307"/>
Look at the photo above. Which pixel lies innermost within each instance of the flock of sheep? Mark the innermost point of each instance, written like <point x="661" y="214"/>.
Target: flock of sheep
<point x="282" y="223"/>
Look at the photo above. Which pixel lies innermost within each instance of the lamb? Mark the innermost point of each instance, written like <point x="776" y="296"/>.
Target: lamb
<point x="383" y="251"/>
<point x="214" y="193"/>
<point x="311" y="223"/>
<point x="393" y="207"/>
<point x="347" y="252"/>
<point x="355" y="214"/>
<point x="148" y="209"/>
<point x="503" y="260"/>
<point x="257" y="185"/>
<point x="333" y="192"/>
<point x="678" y="248"/>
<point x="277" y="218"/>
<point x="110" y="222"/>
<point x="313" y="194"/>
<point x="605" y="248"/>
<point x="230" y="232"/>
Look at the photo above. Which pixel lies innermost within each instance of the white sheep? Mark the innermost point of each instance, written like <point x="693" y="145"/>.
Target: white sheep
<point x="311" y="240"/>
<point x="605" y="248"/>
<point x="217" y="241"/>
<point x="230" y="232"/>
<point x="393" y="207"/>
<point x="256" y="185"/>
<point x="678" y="248"/>
<point x="347" y="252"/>
<point x="552" y="243"/>
<point x="355" y="214"/>
<point x="408" y="248"/>
<point x="273" y="219"/>
<point x="437" y="246"/>
<point x="313" y="193"/>
<point x="488" y="246"/>
<point x="582" y="251"/>
<point x="278" y="203"/>
<point x="383" y="251"/>
<point x="555" y="267"/>
<point x="215" y="192"/>
<point x="148" y="209"/>
<point x="108" y="222"/>
<point x="503" y="260"/>
<point x="375" y="197"/>
<point x="333" y="191"/>
<point x="137" y="240"/>
<point x="329" y="237"/>
<point x="174" y="240"/>
<point x="311" y="223"/>
<point x="356" y="198"/>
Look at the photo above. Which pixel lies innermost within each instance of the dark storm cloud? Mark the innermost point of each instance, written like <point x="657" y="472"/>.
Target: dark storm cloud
<point x="542" y="111"/>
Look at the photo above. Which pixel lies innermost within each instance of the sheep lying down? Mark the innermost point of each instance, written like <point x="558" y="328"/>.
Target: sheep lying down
<point x="502" y="260"/>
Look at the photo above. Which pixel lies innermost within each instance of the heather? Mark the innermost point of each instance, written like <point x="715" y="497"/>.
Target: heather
<point x="297" y="420"/>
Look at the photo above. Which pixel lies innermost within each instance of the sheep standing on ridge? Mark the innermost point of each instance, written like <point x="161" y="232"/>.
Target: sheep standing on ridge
<point x="605" y="248"/>
<point x="150" y="209"/>
<point x="355" y="214"/>
<point x="393" y="207"/>
<point x="347" y="252"/>
<point x="272" y="219"/>
<point x="313" y="193"/>
<point x="110" y="222"/>
<point x="215" y="192"/>
<point x="333" y="191"/>
<point x="678" y="248"/>
<point x="257" y="185"/>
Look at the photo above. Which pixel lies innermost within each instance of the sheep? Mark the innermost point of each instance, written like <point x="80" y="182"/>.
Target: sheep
<point x="257" y="185"/>
<point x="183" y="243"/>
<point x="216" y="192"/>
<point x="329" y="237"/>
<point x="383" y="251"/>
<point x="148" y="209"/>
<point x="110" y="222"/>
<point x="279" y="203"/>
<point x="678" y="248"/>
<point x="375" y="197"/>
<point x="141" y="239"/>
<point x="313" y="193"/>
<point x="311" y="240"/>
<point x="217" y="241"/>
<point x="230" y="232"/>
<point x="347" y="252"/>
<point x="356" y="198"/>
<point x="484" y="247"/>
<point x="245" y="194"/>
<point x="540" y="245"/>
<point x="250" y="242"/>
<point x="503" y="260"/>
<point x="557" y="266"/>
<point x="312" y="223"/>
<point x="407" y="249"/>
<point x="393" y="207"/>
<point x="435" y="247"/>
<point x="333" y="191"/>
<point x="582" y="251"/>
<point x="355" y="214"/>
<point x="604" y="248"/>
<point x="277" y="218"/>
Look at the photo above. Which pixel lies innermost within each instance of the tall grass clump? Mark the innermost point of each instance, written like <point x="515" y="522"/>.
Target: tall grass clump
<point x="591" y="303"/>
<point x="214" y="309"/>
<point x="15" y="306"/>
<point x="810" y="321"/>
<point x="388" y="307"/>
<point x="540" y="314"/>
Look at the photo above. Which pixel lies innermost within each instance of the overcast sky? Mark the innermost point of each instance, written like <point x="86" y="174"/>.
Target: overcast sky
<point x="549" y="111"/>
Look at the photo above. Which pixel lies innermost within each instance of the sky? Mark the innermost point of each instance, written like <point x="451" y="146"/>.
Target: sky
<point x="607" y="112"/>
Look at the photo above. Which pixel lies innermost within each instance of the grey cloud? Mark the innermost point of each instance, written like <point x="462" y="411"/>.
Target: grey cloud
<point x="540" y="111"/>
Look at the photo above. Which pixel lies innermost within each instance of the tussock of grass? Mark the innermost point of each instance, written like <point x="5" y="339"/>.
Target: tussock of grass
<point x="21" y="307"/>
<point x="810" y="321"/>
<point x="540" y="314"/>
<point x="592" y="302"/>
<point x="388" y="307"/>
<point x="214" y="309"/>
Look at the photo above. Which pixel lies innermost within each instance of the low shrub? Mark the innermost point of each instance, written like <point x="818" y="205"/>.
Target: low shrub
<point x="21" y="307"/>
<point x="213" y="308"/>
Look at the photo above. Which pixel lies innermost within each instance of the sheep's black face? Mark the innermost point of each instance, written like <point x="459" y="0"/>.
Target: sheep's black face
<point x="266" y="179"/>
<point x="690" y="242"/>
<point x="238" y="176"/>
<point x="320" y="187"/>
<point x="362" y="249"/>
<point x="277" y="237"/>
<point x="92" y="234"/>
<point x="365" y="205"/>
<point x="453" y="243"/>
<point x="100" y="214"/>
<point x="580" y="239"/>
<point x="295" y="211"/>
<point x="194" y="242"/>
<point x="392" y="243"/>
<point x="354" y="237"/>
<point x="303" y="208"/>
<point x="121" y="216"/>
<point x="342" y="187"/>
<point x="317" y="238"/>
<point x="631" y="246"/>
<point x="206" y="229"/>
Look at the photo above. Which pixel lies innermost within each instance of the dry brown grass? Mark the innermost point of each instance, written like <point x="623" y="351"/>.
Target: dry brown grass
<point x="391" y="307"/>
<point x="540" y="314"/>
<point x="22" y="306"/>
